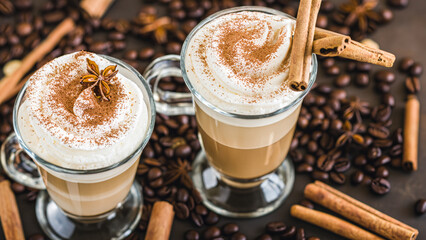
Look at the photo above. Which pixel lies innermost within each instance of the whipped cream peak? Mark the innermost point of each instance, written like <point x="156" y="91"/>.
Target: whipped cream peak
<point x="70" y="113"/>
<point x="240" y="62"/>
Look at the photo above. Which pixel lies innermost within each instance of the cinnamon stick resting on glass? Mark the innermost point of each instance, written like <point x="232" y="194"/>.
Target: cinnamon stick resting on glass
<point x="359" y="212"/>
<point x="326" y="44"/>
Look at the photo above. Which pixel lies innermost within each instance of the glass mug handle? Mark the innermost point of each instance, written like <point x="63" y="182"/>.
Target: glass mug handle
<point x="18" y="165"/>
<point x="168" y="102"/>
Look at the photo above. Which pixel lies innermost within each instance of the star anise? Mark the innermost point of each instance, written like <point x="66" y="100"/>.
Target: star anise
<point x="99" y="79"/>
<point x="360" y="11"/>
<point x="350" y="133"/>
<point x="356" y="108"/>
<point x="178" y="170"/>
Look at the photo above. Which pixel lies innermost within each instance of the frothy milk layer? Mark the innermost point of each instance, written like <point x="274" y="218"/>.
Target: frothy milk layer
<point x="240" y="62"/>
<point x="62" y="121"/>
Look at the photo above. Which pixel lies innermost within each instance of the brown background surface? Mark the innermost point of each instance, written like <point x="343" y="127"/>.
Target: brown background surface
<point x="404" y="36"/>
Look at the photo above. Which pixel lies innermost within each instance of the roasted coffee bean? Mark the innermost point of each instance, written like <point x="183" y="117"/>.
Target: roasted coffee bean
<point x="369" y="169"/>
<point x="314" y="238"/>
<point x="342" y="165"/>
<point x="328" y="62"/>
<point x="181" y="210"/>
<point x="396" y="150"/>
<point x="211" y="218"/>
<point x="320" y="175"/>
<point x="211" y="232"/>
<point x="362" y="79"/>
<point x="238" y="236"/>
<point x="357" y="177"/>
<point x="420" y="207"/>
<point x="309" y="159"/>
<point x="325" y="163"/>
<point x="382" y="143"/>
<point x="192" y="235"/>
<point x="312" y="146"/>
<point x="380" y="186"/>
<point x="342" y="80"/>
<point x="360" y="160"/>
<point x="333" y="70"/>
<point x="304" y="168"/>
<point x="386" y="15"/>
<point x="296" y="155"/>
<point x="388" y="99"/>
<point x="416" y="70"/>
<point x="276" y="227"/>
<point x="397" y="136"/>
<point x="383" y="160"/>
<point x="230" y="228"/>
<point x="384" y="76"/>
<point x="197" y="219"/>
<point x="131" y="54"/>
<point x="382" y="87"/>
<point x="323" y="88"/>
<point x="412" y="84"/>
<point x="154" y="173"/>
<point x="338" y="178"/>
<point x="183" y="151"/>
<point x="381" y="113"/>
<point x="378" y="131"/>
<point x="163" y="191"/>
<point x="200" y="209"/>
<point x="327" y="6"/>
<point x="363" y="67"/>
<point x="398" y="3"/>
<point x="405" y="64"/>
<point x="300" y="234"/>
<point x="338" y="94"/>
<point x="264" y="237"/>
<point x="382" y="172"/>
<point x="289" y="233"/>
<point x="13" y="39"/>
<point x="182" y="195"/>
<point x="148" y="191"/>
<point x="157" y="183"/>
<point x="53" y="17"/>
<point x="6" y="7"/>
<point x="24" y="29"/>
<point x="322" y="21"/>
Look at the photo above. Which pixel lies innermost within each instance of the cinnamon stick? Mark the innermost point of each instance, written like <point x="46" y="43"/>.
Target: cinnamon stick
<point x="299" y="45"/>
<point x="359" y="212"/>
<point x="331" y="45"/>
<point x="9" y="82"/>
<point x="331" y="223"/>
<point x="9" y="213"/>
<point x="160" y="222"/>
<point x="354" y="50"/>
<point x="411" y="133"/>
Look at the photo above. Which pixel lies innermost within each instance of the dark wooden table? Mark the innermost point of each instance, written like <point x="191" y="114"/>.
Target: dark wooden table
<point x="404" y="36"/>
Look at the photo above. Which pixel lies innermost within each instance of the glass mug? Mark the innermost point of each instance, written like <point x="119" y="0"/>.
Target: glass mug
<point x="242" y="169"/>
<point x="103" y="203"/>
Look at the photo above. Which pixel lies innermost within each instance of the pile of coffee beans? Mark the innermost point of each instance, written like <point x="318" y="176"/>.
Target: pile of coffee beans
<point x="331" y="125"/>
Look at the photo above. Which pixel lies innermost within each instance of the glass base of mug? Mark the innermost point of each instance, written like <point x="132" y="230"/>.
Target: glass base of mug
<point x="242" y="198"/>
<point x="118" y="224"/>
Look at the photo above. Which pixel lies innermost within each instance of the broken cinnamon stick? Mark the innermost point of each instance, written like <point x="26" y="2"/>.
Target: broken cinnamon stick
<point x="9" y="213"/>
<point x="95" y="9"/>
<point x="331" y="223"/>
<point x="9" y="82"/>
<point x="354" y="50"/>
<point x="298" y="49"/>
<point x="359" y="212"/>
<point x="411" y="133"/>
<point x="160" y="222"/>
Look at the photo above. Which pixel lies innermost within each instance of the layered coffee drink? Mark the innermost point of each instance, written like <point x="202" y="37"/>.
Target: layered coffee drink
<point x="238" y="64"/>
<point x="84" y="121"/>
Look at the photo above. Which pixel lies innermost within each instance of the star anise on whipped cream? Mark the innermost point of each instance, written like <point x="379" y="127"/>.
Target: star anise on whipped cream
<point x="100" y="79"/>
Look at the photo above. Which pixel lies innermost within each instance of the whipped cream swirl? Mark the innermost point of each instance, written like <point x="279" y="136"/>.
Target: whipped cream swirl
<point x="63" y="122"/>
<point x="240" y="62"/>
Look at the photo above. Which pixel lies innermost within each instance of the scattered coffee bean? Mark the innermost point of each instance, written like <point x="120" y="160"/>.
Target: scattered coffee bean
<point x="264" y="237"/>
<point x="333" y="70"/>
<point x="276" y="227"/>
<point x="416" y="70"/>
<point x="300" y="234"/>
<point x="238" y="236"/>
<point x="320" y="175"/>
<point x="382" y="172"/>
<point x="338" y="178"/>
<point x="380" y="186"/>
<point x="384" y="76"/>
<point x="357" y="177"/>
<point x="342" y="80"/>
<point x="197" y="219"/>
<point x="211" y="232"/>
<point x="289" y="233"/>
<point x="307" y="204"/>
<point x="230" y="228"/>
<point x="386" y="15"/>
<point x="211" y="218"/>
<point x="405" y="64"/>
<point x="36" y="236"/>
<point x="192" y="235"/>
<point x="362" y="79"/>
<point x="181" y="210"/>
<point x="420" y="206"/>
